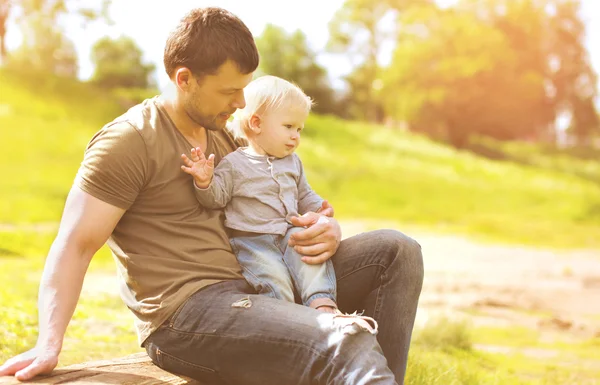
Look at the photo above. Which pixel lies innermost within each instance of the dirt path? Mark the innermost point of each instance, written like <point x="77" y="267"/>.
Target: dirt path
<point x="508" y="285"/>
<point x="492" y="285"/>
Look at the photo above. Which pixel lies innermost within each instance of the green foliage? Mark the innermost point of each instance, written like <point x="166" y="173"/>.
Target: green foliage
<point x="356" y="31"/>
<point x="360" y="30"/>
<point x="45" y="47"/>
<point x="288" y="56"/>
<point x="118" y="63"/>
<point x="501" y="68"/>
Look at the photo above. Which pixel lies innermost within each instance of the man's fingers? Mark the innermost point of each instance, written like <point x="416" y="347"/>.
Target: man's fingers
<point x="328" y="212"/>
<point x="309" y="234"/>
<point x="306" y="220"/>
<point x="15" y="364"/>
<point x="326" y="209"/>
<point x="37" y="367"/>
<point x="321" y="238"/>
<point x="312" y="250"/>
<point x="318" y="259"/>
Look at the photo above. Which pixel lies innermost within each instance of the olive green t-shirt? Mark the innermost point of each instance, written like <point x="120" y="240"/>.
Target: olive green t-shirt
<point x="166" y="245"/>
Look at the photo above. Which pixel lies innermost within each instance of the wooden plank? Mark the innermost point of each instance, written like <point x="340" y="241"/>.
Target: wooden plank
<point x="134" y="369"/>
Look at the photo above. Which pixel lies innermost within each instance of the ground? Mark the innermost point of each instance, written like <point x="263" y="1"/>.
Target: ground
<point x="536" y="303"/>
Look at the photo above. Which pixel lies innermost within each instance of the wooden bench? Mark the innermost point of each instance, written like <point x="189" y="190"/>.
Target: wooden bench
<point x="134" y="369"/>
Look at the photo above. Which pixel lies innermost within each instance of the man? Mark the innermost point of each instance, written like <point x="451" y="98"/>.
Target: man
<point x="195" y="314"/>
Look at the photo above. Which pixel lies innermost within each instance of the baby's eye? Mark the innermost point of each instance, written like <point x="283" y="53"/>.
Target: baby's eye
<point x="288" y="126"/>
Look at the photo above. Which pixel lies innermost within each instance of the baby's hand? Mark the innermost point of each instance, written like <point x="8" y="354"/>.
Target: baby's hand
<point x="199" y="167"/>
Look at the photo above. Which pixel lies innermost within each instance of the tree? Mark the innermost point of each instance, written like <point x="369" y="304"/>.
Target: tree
<point x="288" y="56"/>
<point x="4" y="11"/>
<point x="118" y="63"/>
<point x="573" y="77"/>
<point x="501" y="68"/>
<point x="453" y="74"/>
<point x="359" y="30"/>
<point x="39" y="19"/>
<point x="46" y="50"/>
<point x="550" y="43"/>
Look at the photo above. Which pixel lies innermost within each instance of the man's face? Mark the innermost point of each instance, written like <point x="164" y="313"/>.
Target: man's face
<point x="211" y="99"/>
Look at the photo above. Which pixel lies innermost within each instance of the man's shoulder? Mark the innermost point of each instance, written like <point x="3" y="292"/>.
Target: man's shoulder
<point x="142" y="118"/>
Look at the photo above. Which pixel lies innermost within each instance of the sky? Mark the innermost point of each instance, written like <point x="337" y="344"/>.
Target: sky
<point x="149" y="22"/>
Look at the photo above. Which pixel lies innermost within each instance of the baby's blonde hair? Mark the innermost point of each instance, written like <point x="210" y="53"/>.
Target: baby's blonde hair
<point x="264" y="94"/>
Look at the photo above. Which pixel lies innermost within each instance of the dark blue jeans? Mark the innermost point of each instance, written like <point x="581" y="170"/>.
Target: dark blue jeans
<point x="277" y="342"/>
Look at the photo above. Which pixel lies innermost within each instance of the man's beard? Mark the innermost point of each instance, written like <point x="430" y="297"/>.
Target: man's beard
<point x="209" y="122"/>
<point x="206" y="121"/>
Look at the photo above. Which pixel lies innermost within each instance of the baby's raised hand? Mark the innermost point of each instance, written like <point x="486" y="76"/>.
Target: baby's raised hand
<point x="199" y="167"/>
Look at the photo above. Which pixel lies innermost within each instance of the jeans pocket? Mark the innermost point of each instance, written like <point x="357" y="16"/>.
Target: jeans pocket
<point x="182" y="367"/>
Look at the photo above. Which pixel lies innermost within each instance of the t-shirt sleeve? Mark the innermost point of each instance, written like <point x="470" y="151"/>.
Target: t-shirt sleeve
<point x="114" y="165"/>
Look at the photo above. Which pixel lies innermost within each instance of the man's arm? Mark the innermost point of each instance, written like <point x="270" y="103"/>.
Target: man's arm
<point x="86" y="224"/>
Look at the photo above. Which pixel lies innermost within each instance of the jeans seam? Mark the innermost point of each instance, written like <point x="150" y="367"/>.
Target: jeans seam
<point x="378" y="301"/>
<point x="360" y="268"/>
<point x="184" y="362"/>
<point x="331" y="278"/>
<point x="262" y="339"/>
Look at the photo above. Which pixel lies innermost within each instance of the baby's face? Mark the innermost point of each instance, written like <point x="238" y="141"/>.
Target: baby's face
<point x="280" y="131"/>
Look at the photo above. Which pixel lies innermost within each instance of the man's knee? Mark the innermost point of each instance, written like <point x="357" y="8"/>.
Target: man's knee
<point x="405" y="253"/>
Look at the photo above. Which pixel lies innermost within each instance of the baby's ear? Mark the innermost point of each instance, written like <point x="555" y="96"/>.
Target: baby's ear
<point x="254" y="123"/>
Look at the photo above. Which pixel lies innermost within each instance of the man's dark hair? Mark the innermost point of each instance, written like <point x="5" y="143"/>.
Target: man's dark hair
<point x="206" y="38"/>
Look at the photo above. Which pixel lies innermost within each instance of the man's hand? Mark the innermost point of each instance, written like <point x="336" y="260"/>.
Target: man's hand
<point x="199" y="167"/>
<point x="320" y="240"/>
<point x="27" y="365"/>
<point x="326" y="209"/>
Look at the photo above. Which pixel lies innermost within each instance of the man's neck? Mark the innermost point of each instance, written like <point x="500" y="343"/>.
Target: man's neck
<point x="194" y="133"/>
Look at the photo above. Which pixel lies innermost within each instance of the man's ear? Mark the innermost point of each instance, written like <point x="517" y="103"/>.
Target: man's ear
<point x="183" y="78"/>
<point x="254" y="123"/>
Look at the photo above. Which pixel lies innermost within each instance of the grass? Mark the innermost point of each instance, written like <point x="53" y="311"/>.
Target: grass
<point x="369" y="171"/>
<point x="530" y="195"/>
<point x="443" y="352"/>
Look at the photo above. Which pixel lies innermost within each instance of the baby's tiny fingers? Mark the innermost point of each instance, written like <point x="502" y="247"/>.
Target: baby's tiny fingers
<point x="195" y="155"/>
<point x="186" y="160"/>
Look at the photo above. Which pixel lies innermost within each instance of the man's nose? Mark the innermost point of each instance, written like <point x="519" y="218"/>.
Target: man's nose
<point x="239" y="102"/>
